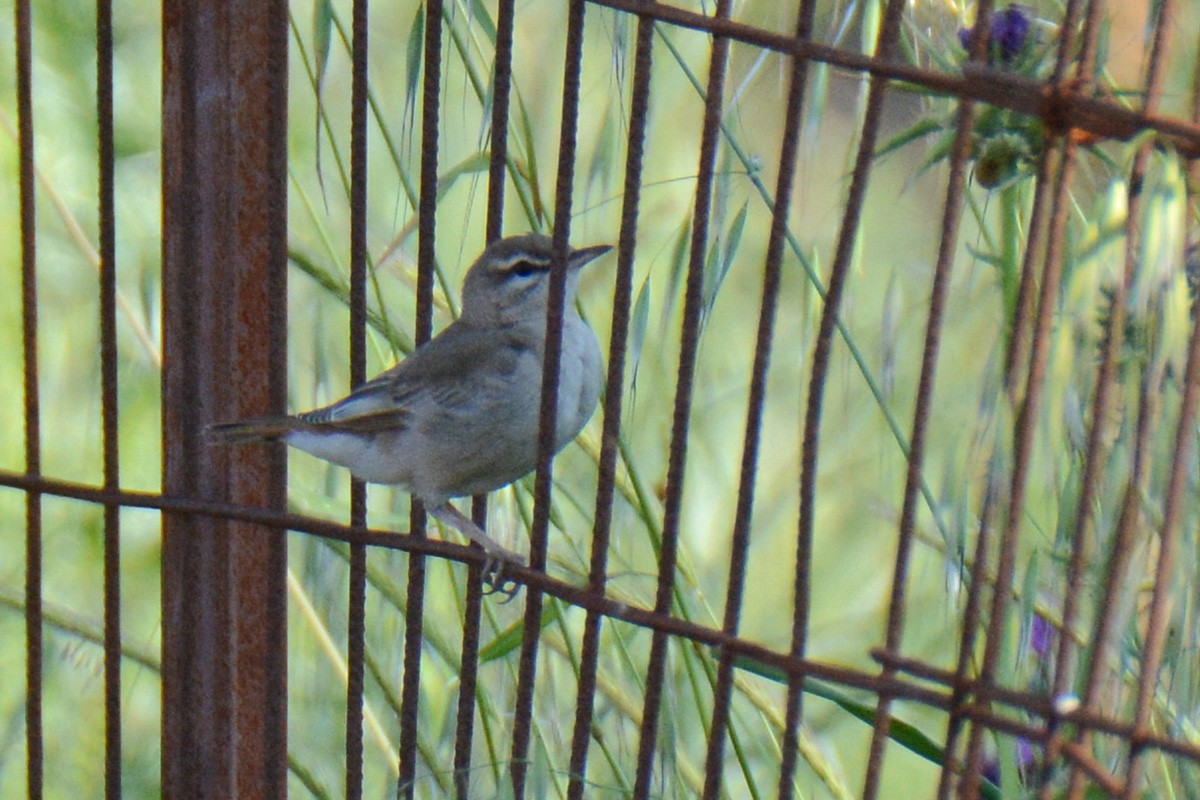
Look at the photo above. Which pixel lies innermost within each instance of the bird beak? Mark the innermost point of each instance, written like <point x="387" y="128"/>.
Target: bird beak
<point x="585" y="254"/>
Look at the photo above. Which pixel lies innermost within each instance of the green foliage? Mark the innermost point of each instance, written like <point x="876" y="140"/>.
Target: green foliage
<point x="869" y="396"/>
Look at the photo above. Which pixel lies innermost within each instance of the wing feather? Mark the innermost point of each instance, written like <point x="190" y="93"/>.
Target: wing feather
<point x="448" y="373"/>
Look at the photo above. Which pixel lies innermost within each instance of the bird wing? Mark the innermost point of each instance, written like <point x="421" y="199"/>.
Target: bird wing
<point x="366" y="421"/>
<point x="448" y="372"/>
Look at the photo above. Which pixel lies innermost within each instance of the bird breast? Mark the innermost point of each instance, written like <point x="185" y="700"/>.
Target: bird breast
<point x="581" y="374"/>
<point x="493" y="442"/>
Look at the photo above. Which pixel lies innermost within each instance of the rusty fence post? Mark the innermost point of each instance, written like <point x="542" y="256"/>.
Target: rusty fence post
<point x="224" y="343"/>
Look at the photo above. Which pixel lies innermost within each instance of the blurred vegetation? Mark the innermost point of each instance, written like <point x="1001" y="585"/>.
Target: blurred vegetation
<point x="868" y="403"/>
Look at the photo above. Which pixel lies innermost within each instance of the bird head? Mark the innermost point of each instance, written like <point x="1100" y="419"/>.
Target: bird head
<point x="510" y="281"/>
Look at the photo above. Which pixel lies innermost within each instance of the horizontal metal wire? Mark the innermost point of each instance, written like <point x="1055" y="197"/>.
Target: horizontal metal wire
<point x="1062" y="107"/>
<point x="581" y="597"/>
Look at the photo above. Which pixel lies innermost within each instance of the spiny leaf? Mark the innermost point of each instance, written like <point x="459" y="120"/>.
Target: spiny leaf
<point x="940" y="150"/>
<point x="918" y="130"/>
<point x="940" y="56"/>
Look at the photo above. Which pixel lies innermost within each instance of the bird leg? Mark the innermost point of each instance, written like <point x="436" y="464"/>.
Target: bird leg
<point x="496" y="557"/>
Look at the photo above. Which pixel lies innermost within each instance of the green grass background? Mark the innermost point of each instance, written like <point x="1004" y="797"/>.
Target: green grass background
<point x="862" y="464"/>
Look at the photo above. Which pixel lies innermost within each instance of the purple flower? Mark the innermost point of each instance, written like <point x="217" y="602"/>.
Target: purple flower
<point x="1041" y="637"/>
<point x="1025" y="754"/>
<point x="1009" y="30"/>
<point x="1026" y="758"/>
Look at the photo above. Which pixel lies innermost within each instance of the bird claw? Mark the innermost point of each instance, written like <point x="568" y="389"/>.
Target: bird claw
<point x="494" y="580"/>
<point x="495" y="557"/>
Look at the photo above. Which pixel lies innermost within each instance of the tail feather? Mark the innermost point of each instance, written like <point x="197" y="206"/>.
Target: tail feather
<point x="250" y="431"/>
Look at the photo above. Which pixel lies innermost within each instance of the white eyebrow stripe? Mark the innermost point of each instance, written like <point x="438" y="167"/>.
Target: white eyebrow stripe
<point x="538" y="261"/>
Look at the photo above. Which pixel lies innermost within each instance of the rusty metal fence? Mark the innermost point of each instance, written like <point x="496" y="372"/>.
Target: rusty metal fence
<point x="224" y="278"/>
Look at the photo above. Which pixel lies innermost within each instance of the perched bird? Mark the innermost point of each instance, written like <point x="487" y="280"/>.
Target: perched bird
<point x="459" y="416"/>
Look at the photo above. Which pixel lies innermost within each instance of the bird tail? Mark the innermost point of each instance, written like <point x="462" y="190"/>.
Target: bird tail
<point x="251" y="431"/>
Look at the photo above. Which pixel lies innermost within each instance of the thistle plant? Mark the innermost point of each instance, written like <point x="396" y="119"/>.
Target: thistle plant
<point x="1137" y="295"/>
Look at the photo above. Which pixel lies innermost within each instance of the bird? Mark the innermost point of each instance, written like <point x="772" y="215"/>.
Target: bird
<point x="459" y="415"/>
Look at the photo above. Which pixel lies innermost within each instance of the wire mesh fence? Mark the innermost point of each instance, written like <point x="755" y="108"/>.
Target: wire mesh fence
<point x="1051" y="526"/>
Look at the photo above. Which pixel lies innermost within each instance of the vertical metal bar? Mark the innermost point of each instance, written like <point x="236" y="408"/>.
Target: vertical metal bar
<point x="610" y="436"/>
<point x="970" y="626"/>
<point x="548" y="407"/>
<point x="951" y="216"/>
<point x="357" y="601"/>
<point x="740" y="540"/>
<point x="34" y="749"/>
<point x="1018" y="343"/>
<point x="1025" y="426"/>
<point x="1094" y="453"/>
<point x="1055" y="160"/>
<point x="677" y="459"/>
<point x="1121" y="551"/>
<point x="464" y="732"/>
<point x="885" y="48"/>
<point x="225" y="355"/>
<point x="1180" y="459"/>
<point x="355" y="649"/>
<point x="501" y="90"/>
<point x="1129" y="526"/>
<point x="427" y="211"/>
<point x="1048" y="168"/>
<point x="109" y="406"/>
<point x="473" y="613"/>
<point x="1027" y="413"/>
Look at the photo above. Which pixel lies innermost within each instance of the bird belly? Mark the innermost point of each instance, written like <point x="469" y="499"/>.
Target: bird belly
<point x="476" y="453"/>
<point x="460" y="449"/>
<point x="581" y="375"/>
<point x="374" y="459"/>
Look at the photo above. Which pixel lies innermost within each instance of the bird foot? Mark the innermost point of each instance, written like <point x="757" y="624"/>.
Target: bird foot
<point x="496" y="560"/>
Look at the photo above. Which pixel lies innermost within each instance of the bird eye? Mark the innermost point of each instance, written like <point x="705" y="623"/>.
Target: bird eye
<point x="525" y="269"/>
